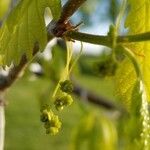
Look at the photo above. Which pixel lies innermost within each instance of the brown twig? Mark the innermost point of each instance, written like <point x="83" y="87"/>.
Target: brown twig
<point x="63" y="24"/>
<point x="69" y="9"/>
<point x="95" y="99"/>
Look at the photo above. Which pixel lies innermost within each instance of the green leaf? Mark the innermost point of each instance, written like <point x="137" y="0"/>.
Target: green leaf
<point x="24" y="27"/>
<point x="138" y="21"/>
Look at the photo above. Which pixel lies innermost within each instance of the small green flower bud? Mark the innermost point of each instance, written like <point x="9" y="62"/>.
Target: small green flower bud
<point x="62" y="101"/>
<point x="51" y="122"/>
<point x="66" y="86"/>
<point x="67" y="100"/>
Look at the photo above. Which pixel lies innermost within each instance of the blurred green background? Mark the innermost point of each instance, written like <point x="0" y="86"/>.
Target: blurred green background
<point x="23" y="127"/>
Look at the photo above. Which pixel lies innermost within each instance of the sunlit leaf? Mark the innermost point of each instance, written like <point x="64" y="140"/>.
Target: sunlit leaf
<point x="24" y="27"/>
<point x="95" y="132"/>
<point x="138" y="21"/>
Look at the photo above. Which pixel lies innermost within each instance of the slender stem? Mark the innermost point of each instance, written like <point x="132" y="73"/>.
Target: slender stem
<point x="69" y="57"/>
<point x="65" y="73"/>
<point x="76" y="59"/>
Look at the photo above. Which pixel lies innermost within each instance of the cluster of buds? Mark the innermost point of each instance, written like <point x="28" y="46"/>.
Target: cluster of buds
<point x="64" y="99"/>
<point x="51" y="121"/>
<point x="66" y="86"/>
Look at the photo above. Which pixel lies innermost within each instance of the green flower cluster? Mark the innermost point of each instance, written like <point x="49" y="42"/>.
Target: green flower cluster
<point x="51" y="121"/>
<point x="64" y="98"/>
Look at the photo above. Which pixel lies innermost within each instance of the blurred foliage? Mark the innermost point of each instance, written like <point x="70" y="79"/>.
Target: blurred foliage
<point x="23" y="121"/>
<point x="95" y="131"/>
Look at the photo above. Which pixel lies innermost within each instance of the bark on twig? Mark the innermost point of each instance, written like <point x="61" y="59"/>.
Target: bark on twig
<point x="69" y="9"/>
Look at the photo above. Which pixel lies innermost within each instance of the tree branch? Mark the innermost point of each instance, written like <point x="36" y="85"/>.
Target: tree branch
<point x="93" y="98"/>
<point x="100" y="39"/>
<point x="69" y="9"/>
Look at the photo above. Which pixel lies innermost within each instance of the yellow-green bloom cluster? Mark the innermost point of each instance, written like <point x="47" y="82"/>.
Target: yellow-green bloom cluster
<point x="64" y="98"/>
<point x="51" y="121"/>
